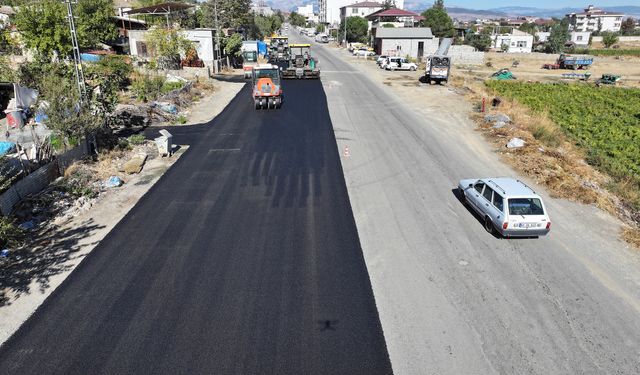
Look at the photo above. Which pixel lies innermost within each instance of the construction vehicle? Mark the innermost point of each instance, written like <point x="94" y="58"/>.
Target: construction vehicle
<point x="249" y="61"/>
<point x="279" y="50"/>
<point x="608" y="79"/>
<point x="437" y="69"/>
<point x="301" y="64"/>
<point x="253" y="53"/>
<point x="574" y="62"/>
<point x="267" y="86"/>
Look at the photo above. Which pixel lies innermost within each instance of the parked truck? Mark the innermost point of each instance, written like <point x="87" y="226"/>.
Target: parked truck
<point x="437" y="69"/>
<point x="574" y="62"/>
<point x="253" y="52"/>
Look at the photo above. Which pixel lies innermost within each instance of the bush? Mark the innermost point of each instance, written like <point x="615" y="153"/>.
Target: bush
<point x="147" y="88"/>
<point x="10" y="235"/>
<point x="136" y="139"/>
<point x="78" y="183"/>
<point x="170" y="86"/>
<point x="116" y="68"/>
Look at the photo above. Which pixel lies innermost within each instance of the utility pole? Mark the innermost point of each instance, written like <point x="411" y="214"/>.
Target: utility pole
<point x="77" y="62"/>
<point x="215" y="11"/>
<point x="345" y="27"/>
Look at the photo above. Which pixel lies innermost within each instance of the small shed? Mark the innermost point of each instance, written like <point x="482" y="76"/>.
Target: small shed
<point x="415" y="42"/>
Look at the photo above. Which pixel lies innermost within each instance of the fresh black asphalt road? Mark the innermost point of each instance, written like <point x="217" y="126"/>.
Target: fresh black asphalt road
<point x="243" y="259"/>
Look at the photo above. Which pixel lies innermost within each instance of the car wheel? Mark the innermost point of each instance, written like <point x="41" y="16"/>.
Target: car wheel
<point x="413" y="69"/>
<point x="488" y="225"/>
<point x="463" y="196"/>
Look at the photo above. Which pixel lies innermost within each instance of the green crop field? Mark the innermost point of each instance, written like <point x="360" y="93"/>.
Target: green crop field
<point x="615" y="52"/>
<point x="605" y="121"/>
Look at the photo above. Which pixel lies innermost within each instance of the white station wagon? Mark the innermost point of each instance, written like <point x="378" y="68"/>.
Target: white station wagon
<point x="507" y="206"/>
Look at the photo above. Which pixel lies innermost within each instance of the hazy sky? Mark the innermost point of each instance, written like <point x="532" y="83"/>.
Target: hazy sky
<point x="485" y="4"/>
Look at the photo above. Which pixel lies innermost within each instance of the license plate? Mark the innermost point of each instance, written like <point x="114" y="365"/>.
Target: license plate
<point x="526" y="225"/>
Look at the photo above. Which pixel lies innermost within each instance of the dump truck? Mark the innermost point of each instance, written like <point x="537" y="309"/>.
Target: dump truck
<point x="301" y="64"/>
<point x="253" y="52"/>
<point x="437" y="69"/>
<point x="279" y="50"/>
<point x="267" y="86"/>
<point x="574" y="61"/>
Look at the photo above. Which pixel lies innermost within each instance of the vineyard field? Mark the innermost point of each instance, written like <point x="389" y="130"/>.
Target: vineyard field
<point x="605" y="121"/>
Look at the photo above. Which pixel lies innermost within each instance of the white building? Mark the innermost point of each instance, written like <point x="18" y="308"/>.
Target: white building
<point x="517" y="42"/>
<point x="203" y="39"/>
<point x="594" y="19"/>
<point x="362" y="9"/>
<point x="306" y="10"/>
<point x="579" y="38"/>
<point x="330" y="9"/>
<point x="415" y="42"/>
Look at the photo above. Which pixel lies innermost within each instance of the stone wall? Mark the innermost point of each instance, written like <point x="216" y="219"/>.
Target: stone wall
<point x="465" y="55"/>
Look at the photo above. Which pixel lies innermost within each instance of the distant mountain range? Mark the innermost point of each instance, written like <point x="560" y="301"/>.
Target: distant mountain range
<point x="513" y="11"/>
<point x="469" y="14"/>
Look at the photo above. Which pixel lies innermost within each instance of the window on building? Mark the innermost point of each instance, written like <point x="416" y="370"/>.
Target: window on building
<point x="617" y="24"/>
<point x="522" y="43"/>
<point x="579" y="38"/>
<point x="618" y="18"/>
<point x="354" y="10"/>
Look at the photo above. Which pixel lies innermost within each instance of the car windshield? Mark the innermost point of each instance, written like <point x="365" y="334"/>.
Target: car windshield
<point x="267" y="73"/>
<point x="525" y="206"/>
<point x="250" y="56"/>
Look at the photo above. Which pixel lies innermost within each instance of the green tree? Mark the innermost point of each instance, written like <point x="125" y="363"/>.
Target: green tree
<point x="609" y="39"/>
<point x="297" y="19"/>
<point x="168" y="45"/>
<point x="480" y="41"/>
<point x="529" y="28"/>
<point x="357" y="29"/>
<point x="232" y="45"/>
<point x="95" y="22"/>
<point x="7" y="74"/>
<point x="234" y="14"/>
<point x="68" y="117"/>
<point x="388" y="4"/>
<point x="44" y="27"/>
<point x="558" y="37"/>
<point x="628" y="26"/>
<point x="438" y="20"/>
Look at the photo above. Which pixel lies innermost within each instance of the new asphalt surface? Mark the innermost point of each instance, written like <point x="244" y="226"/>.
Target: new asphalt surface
<point x="243" y="259"/>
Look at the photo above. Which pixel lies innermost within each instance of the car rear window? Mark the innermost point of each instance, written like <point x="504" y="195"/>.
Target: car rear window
<point x="525" y="206"/>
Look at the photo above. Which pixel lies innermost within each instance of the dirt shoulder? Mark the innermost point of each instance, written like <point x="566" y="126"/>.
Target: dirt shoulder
<point x="210" y="106"/>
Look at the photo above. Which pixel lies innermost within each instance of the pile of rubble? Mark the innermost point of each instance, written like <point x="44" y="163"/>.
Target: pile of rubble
<point x="82" y="186"/>
<point x="168" y="109"/>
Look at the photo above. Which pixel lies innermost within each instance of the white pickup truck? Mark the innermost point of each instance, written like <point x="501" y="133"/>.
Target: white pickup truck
<point x="399" y="63"/>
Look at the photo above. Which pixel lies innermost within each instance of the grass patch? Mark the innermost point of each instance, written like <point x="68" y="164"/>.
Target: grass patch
<point x="181" y="120"/>
<point x="136" y="139"/>
<point x="614" y="52"/>
<point x="604" y="121"/>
